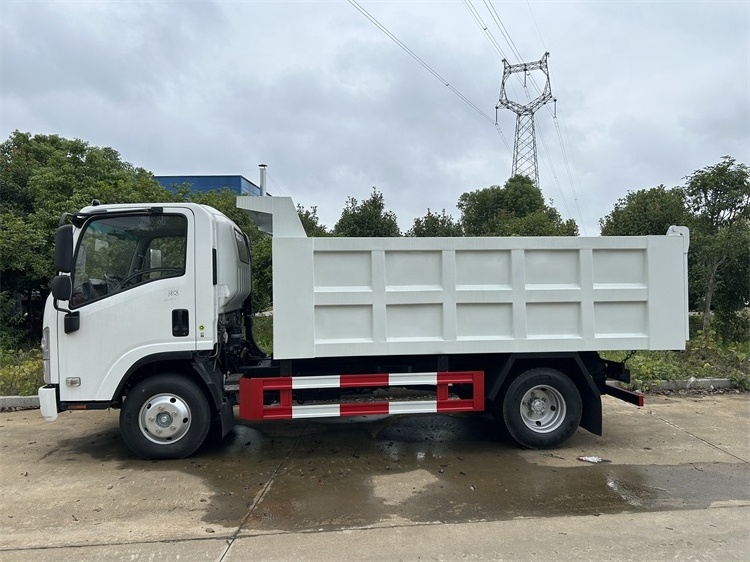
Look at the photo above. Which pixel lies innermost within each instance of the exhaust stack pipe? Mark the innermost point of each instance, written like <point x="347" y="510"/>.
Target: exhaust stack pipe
<point x="262" y="179"/>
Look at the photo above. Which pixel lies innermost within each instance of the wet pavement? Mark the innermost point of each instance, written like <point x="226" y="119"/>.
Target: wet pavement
<point x="72" y="483"/>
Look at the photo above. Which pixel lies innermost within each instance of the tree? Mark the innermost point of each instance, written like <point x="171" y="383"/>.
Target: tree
<point x="715" y="204"/>
<point x="651" y="212"/>
<point x="516" y="209"/>
<point x="645" y="212"/>
<point x="435" y="225"/>
<point x="311" y="222"/>
<point x="41" y="177"/>
<point x="543" y="222"/>
<point x="733" y="289"/>
<point x="719" y="198"/>
<point x="368" y="218"/>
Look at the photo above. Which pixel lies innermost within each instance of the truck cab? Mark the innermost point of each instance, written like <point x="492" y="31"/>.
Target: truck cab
<point x="141" y="290"/>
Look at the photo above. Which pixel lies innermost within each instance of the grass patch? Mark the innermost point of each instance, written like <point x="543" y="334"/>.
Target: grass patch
<point x="21" y="372"/>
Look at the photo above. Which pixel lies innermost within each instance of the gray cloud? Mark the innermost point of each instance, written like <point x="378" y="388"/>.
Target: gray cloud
<point x="648" y="92"/>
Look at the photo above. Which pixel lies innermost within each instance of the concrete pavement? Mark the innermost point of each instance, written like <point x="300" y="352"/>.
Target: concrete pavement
<point x="674" y="482"/>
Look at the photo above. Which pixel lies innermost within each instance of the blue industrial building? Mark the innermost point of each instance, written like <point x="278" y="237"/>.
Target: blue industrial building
<point x="239" y="184"/>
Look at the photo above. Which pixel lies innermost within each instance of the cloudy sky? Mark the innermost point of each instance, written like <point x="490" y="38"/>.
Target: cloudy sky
<point x="647" y="93"/>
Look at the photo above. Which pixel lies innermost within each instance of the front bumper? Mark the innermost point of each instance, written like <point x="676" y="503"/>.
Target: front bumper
<point x="48" y="402"/>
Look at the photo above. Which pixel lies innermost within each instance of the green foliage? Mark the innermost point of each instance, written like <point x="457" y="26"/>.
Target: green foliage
<point x="646" y="212"/>
<point x="311" y="222"/>
<point x="263" y="332"/>
<point x="543" y="222"/>
<point x="12" y="330"/>
<point x="368" y="218"/>
<point x="262" y="273"/>
<point x="21" y="372"/>
<point x="705" y="357"/>
<point x="720" y="278"/>
<point x="732" y="325"/>
<point x="719" y="198"/>
<point x="715" y="204"/>
<point x="435" y="225"/>
<point x="516" y="209"/>
<point x="719" y="195"/>
<point x="41" y="177"/>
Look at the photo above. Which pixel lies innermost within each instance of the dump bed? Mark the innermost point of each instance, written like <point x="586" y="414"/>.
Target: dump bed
<point x="403" y="296"/>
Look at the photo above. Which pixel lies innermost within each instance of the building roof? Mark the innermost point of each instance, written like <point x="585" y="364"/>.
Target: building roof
<point x="239" y="184"/>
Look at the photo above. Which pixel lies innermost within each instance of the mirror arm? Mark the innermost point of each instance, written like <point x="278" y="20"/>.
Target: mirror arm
<point x="59" y="308"/>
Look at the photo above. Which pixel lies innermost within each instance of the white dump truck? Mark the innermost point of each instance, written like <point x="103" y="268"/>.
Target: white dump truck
<point x="150" y="314"/>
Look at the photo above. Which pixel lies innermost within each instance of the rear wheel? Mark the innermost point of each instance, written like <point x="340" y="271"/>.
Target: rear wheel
<point x="165" y="417"/>
<point x="541" y="408"/>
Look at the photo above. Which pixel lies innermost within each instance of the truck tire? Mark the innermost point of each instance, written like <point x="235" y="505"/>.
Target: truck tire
<point x="541" y="408"/>
<point x="165" y="417"/>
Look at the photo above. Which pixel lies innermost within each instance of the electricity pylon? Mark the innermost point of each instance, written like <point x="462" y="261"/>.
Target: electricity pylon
<point x="524" y="148"/>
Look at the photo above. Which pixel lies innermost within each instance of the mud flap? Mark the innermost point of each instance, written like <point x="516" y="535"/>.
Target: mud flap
<point x="226" y="415"/>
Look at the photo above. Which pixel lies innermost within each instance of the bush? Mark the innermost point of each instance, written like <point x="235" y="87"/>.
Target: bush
<point x="704" y="357"/>
<point x="12" y="330"/>
<point x="21" y="372"/>
<point x="732" y="325"/>
<point x="263" y="332"/>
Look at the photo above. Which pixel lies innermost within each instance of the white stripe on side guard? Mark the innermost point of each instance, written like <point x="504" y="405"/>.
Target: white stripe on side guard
<point x="413" y="407"/>
<point x="398" y="379"/>
<point x="316" y="411"/>
<point x="326" y="381"/>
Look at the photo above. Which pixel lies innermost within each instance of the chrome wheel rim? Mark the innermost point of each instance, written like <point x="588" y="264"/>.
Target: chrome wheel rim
<point x="164" y="418"/>
<point x="543" y="409"/>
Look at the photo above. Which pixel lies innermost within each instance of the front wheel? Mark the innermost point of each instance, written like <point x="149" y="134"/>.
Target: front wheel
<point x="165" y="417"/>
<point x="541" y="408"/>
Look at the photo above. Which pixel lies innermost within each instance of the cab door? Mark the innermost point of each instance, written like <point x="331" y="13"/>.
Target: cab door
<point x="134" y="292"/>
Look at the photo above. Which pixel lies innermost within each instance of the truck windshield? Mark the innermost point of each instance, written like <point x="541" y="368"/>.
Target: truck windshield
<point x="115" y="254"/>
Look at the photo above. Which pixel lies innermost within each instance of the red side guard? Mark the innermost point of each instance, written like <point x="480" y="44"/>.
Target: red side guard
<point x="252" y="395"/>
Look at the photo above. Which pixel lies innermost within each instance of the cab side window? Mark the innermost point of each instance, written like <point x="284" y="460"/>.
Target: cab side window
<point x="115" y="254"/>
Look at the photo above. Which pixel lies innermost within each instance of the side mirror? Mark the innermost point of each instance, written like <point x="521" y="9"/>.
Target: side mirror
<point x="64" y="250"/>
<point x="62" y="287"/>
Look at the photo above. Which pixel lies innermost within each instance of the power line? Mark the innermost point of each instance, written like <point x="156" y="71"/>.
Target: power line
<point x="538" y="31"/>
<point x="572" y="183"/>
<point x="483" y="27"/>
<point x="488" y="34"/>
<point x="560" y="138"/>
<point x="279" y="190"/>
<point x="428" y="68"/>
<point x="503" y="31"/>
<point x="550" y="164"/>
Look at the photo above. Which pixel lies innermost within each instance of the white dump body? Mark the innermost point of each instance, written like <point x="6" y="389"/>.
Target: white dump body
<point x="403" y="296"/>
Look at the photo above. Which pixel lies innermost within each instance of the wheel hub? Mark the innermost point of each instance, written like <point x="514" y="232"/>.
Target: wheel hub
<point x="538" y="407"/>
<point x="164" y="418"/>
<point x="543" y="409"/>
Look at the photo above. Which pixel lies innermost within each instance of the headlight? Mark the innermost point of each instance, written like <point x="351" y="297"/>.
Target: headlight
<point x="45" y="355"/>
<point x="45" y="343"/>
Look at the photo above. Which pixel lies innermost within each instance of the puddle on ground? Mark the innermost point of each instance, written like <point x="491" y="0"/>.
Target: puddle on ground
<point x="295" y="476"/>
